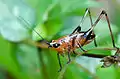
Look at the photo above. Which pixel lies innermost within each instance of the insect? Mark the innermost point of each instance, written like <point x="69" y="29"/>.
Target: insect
<point x="78" y="38"/>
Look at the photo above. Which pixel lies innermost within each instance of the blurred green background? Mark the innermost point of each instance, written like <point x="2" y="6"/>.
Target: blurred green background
<point x="21" y="59"/>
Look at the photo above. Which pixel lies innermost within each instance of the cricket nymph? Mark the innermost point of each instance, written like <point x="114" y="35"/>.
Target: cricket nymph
<point x="78" y="38"/>
<point x="70" y="42"/>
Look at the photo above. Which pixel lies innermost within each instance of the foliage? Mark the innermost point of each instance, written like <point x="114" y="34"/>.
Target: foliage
<point x="51" y="19"/>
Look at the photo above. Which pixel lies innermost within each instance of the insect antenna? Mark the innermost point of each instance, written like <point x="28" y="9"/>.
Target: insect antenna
<point x="26" y="24"/>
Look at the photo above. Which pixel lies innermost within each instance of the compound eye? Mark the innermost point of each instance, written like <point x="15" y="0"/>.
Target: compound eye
<point x="56" y="45"/>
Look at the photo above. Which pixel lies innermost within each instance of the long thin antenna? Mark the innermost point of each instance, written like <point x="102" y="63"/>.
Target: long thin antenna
<point x="27" y="24"/>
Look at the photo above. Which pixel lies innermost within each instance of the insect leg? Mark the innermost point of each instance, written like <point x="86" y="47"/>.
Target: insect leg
<point x="74" y="52"/>
<point x="78" y="29"/>
<point x="83" y="18"/>
<point x="80" y="46"/>
<point x="95" y="43"/>
<point x="69" y="54"/>
<point x="100" y="16"/>
<point x="68" y="58"/>
<point x="58" y="56"/>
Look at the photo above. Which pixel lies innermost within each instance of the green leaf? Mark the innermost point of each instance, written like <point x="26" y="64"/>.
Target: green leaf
<point x="10" y="27"/>
<point x="28" y="59"/>
<point x="102" y="73"/>
<point x="7" y="61"/>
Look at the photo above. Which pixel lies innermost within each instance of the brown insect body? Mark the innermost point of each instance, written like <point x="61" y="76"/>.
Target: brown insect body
<point x="71" y="42"/>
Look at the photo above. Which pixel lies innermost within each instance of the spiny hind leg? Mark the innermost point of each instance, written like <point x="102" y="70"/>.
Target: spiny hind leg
<point x="78" y="29"/>
<point x="95" y="43"/>
<point x="107" y="19"/>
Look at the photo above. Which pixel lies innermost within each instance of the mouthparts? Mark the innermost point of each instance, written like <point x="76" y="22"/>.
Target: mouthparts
<point x="49" y="45"/>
